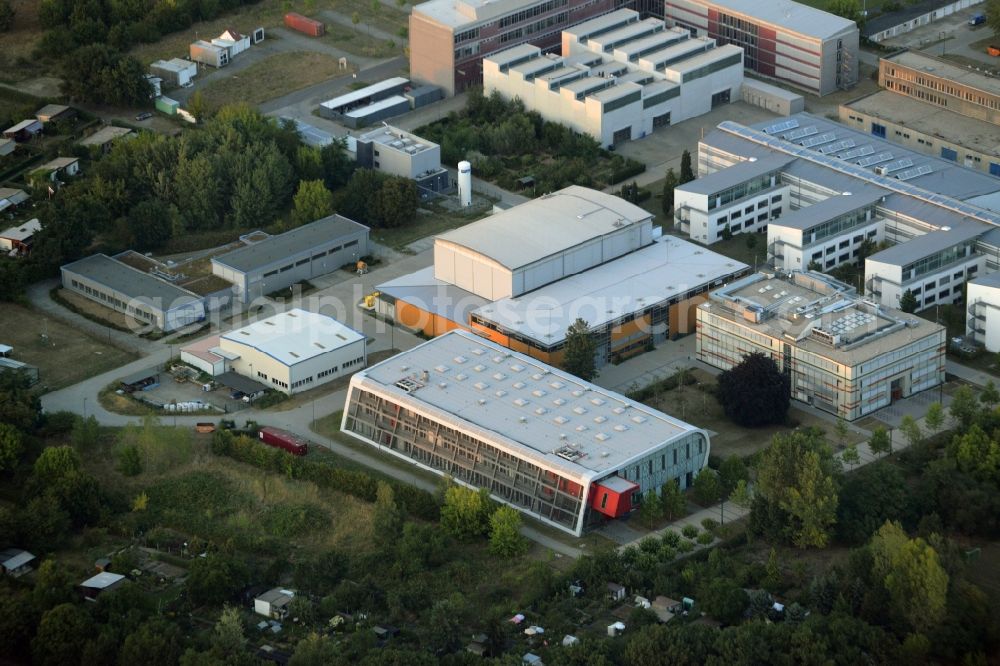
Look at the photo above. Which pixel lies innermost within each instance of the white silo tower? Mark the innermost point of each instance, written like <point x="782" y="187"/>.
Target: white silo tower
<point x="465" y="183"/>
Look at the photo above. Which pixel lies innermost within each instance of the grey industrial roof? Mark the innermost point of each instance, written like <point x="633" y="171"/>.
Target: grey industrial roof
<point x="104" y="135"/>
<point x="458" y="13"/>
<point x="988" y="280"/>
<point x="359" y="95"/>
<point x="922" y="246"/>
<point x="425" y="291"/>
<point x="789" y="15"/>
<point x="736" y="174"/>
<point x="525" y="405"/>
<point x="294" y="336"/>
<point x="906" y="12"/>
<point x="289" y="244"/>
<point x="829" y="208"/>
<point x="946" y="69"/>
<point x="931" y="119"/>
<point x="130" y="282"/>
<point x="545" y="226"/>
<point x="398" y="140"/>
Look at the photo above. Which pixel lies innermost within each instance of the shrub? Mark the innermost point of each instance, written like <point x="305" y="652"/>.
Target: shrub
<point x="705" y="538"/>
<point x="685" y="546"/>
<point x="666" y="553"/>
<point x="690" y="531"/>
<point x="671" y="538"/>
<point x="649" y="545"/>
<point x="709" y="524"/>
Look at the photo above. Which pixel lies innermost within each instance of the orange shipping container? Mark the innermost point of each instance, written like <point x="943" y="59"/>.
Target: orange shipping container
<point x="305" y="24"/>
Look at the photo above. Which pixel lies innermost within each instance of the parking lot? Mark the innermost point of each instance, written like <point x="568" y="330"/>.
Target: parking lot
<point x="171" y="391"/>
<point x="952" y="38"/>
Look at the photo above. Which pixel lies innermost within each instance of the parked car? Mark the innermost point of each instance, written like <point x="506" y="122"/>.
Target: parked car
<point x="977" y="19"/>
<point x="145" y="115"/>
<point x="237" y="395"/>
<point x="250" y="397"/>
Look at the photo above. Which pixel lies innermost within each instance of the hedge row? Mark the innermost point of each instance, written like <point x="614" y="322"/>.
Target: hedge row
<point x="418" y="503"/>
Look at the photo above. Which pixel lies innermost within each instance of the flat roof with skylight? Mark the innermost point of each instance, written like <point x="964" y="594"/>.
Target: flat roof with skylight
<point x="538" y="411"/>
<point x="295" y="336"/>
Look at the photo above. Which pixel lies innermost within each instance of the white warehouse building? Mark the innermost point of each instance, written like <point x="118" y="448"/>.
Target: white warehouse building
<point x="291" y="351"/>
<point x="564" y="451"/>
<point x="620" y="84"/>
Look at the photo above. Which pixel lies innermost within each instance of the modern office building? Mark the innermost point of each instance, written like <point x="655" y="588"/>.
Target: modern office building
<point x="564" y="451"/>
<point x="145" y="298"/>
<point x="926" y="128"/>
<point x="278" y="262"/>
<point x="400" y="153"/>
<point x="843" y="354"/>
<point x="450" y="38"/>
<point x="620" y="84"/>
<point x="523" y="276"/>
<point x="738" y="200"/>
<point x="933" y="267"/>
<point x="942" y="83"/>
<point x="783" y="40"/>
<point x="292" y="351"/>
<point x="845" y="187"/>
<point x="983" y="311"/>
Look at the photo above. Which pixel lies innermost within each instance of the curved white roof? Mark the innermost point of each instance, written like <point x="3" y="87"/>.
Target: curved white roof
<point x="545" y="226"/>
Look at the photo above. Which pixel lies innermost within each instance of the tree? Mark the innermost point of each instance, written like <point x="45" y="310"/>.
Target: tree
<point x="97" y="73"/>
<point x="772" y="577"/>
<point x="727" y="233"/>
<point x="911" y="430"/>
<point x="11" y="447"/>
<point x="687" y="174"/>
<point x="849" y="9"/>
<point x="707" y="488"/>
<point x="62" y="633"/>
<point x="56" y="462"/>
<point x="312" y="202"/>
<point x="841" y="431"/>
<point x="315" y="650"/>
<point x="993" y="16"/>
<point x="934" y="418"/>
<point x="667" y="199"/>
<point x="732" y="470"/>
<point x="754" y="392"/>
<point x="724" y="600"/>
<point x="196" y="105"/>
<point x="505" y="533"/>
<point x="881" y="441"/>
<point x="913" y="576"/>
<point x="149" y="225"/>
<point x="651" y="509"/>
<point x="213" y="578"/>
<point x="579" y="351"/>
<point x="851" y="455"/>
<point x="869" y="497"/>
<point x="387" y="521"/>
<point x="908" y="302"/>
<point x="964" y="407"/>
<point x="989" y="395"/>
<point x="794" y="476"/>
<point x="156" y="642"/>
<point x="229" y="637"/>
<point x="130" y="460"/>
<point x="396" y="202"/>
<point x="674" y="504"/>
<point x="466" y="512"/>
<point x="6" y="15"/>
<point x="86" y="433"/>
<point x="741" y="495"/>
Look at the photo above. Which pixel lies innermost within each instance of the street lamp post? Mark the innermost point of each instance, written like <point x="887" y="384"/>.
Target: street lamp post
<point x="85" y="407"/>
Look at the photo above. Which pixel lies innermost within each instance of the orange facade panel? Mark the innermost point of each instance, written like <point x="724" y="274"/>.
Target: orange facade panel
<point x="418" y="319"/>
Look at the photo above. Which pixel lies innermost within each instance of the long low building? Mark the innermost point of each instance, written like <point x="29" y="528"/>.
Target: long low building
<point x="566" y="452"/>
<point x="306" y="252"/>
<point x="141" y="296"/>
<point x="619" y="85"/>
<point x="292" y="351"/>
<point x="845" y="355"/>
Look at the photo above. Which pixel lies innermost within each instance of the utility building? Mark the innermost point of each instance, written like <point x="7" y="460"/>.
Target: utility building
<point x="400" y="153"/>
<point x="845" y="355"/>
<point x="280" y="261"/>
<point x="557" y="448"/>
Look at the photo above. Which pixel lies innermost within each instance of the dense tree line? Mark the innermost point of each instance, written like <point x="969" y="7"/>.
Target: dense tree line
<point x="499" y="136"/>
<point x="239" y="171"/>
<point x="91" y="37"/>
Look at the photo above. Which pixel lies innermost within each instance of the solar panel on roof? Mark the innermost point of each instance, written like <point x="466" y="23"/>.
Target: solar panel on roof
<point x="857" y="152"/>
<point x="837" y="147"/>
<point x="783" y="126"/>
<point x="921" y="170"/>
<point x="826" y="137"/>
<point x="896" y="166"/>
<point x="875" y="159"/>
<point x="800" y="133"/>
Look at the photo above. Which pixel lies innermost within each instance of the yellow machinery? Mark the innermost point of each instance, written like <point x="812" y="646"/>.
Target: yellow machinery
<point x="370" y="299"/>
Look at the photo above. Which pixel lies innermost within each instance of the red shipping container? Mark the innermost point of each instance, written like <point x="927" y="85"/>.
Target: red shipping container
<point x="304" y="24"/>
<point x="283" y="439"/>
